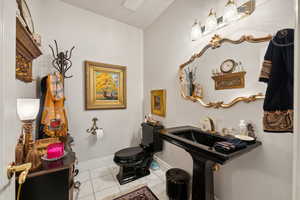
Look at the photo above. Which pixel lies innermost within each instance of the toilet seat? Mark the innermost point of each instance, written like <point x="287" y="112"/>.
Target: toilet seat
<point x="129" y="155"/>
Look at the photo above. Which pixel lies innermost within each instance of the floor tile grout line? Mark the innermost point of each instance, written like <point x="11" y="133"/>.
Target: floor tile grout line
<point x="88" y="180"/>
<point x="94" y="195"/>
<point x="92" y="183"/>
<point x="116" y="183"/>
<point x="115" y="179"/>
<point x="107" y="169"/>
<point x="107" y="189"/>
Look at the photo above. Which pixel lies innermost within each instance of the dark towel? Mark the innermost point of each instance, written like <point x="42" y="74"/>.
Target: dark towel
<point x="230" y="146"/>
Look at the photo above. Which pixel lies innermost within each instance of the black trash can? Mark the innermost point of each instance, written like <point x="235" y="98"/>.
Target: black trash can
<point x="177" y="184"/>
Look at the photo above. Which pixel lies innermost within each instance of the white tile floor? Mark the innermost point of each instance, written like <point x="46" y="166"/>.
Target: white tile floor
<point x="101" y="183"/>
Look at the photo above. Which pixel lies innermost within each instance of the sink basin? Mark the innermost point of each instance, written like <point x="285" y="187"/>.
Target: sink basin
<point x="198" y="136"/>
<point x="200" y="146"/>
<point x="194" y="140"/>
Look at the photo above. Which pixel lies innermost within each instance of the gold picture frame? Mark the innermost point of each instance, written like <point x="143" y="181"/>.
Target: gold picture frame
<point x="105" y="86"/>
<point x="158" y="102"/>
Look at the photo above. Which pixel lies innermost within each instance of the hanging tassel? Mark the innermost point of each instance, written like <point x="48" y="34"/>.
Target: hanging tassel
<point x="19" y="152"/>
<point x="33" y="157"/>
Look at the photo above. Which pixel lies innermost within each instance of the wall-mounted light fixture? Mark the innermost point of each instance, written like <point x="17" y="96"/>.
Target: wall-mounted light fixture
<point x="196" y="32"/>
<point x="231" y="13"/>
<point x="211" y="21"/>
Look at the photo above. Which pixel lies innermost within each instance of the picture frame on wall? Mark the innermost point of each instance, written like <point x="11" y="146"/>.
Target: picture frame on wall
<point x="105" y="86"/>
<point x="158" y="102"/>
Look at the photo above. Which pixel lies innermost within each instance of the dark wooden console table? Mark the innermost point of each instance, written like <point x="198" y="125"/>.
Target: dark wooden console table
<point x="55" y="181"/>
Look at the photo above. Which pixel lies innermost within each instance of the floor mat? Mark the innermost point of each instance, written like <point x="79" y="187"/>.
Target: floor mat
<point x="143" y="193"/>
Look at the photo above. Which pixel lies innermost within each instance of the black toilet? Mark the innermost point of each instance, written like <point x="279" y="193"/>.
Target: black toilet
<point x="134" y="162"/>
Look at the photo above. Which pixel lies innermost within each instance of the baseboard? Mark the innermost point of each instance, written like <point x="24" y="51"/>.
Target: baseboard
<point x="163" y="164"/>
<point x="108" y="161"/>
<point x="96" y="163"/>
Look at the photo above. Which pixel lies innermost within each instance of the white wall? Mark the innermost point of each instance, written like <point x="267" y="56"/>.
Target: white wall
<point x="296" y="157"/>
<point x="98" y="39"/>
<point x="265" y="173"/>
<point x="9" y="122"/>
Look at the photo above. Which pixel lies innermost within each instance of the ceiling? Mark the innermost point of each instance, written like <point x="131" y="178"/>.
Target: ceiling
<point x="146" y="11"/>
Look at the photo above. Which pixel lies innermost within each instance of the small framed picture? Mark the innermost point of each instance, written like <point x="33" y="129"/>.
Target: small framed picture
<point x="158" y="102"/>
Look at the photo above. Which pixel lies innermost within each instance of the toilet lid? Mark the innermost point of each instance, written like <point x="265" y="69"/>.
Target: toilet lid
<point x="129" y="154"/>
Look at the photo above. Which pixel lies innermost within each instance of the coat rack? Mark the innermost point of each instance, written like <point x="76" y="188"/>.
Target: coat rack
<point x="62" y="60"/>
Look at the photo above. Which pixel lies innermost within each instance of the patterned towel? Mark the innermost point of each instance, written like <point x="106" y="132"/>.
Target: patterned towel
<point x="56" y="86"/>
<point x="54" y="116"/>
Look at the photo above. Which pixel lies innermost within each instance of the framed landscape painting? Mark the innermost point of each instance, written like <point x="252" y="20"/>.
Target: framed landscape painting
<point x="105" y="86"/>
<point x="158" y="102"/>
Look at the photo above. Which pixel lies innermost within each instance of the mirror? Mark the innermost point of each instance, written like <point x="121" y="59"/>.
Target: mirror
<point x="225" y="72"/>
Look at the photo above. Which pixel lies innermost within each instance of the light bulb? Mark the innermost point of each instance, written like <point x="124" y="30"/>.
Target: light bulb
<point x="196" y="31"/>
<point x="230" y="12"/>
<point x="211" y="21"/>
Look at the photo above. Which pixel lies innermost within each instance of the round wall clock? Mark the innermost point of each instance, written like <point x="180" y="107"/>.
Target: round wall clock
<point x="228" y="66"/>
<point x="26" y="15"/>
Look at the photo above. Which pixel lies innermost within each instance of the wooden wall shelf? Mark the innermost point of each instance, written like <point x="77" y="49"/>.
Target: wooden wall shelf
<point x="26" y="51"/>
<point x="230" y="81"/>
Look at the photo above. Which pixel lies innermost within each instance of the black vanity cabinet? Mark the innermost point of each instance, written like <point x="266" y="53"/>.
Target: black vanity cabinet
<point x="55" y="181"/>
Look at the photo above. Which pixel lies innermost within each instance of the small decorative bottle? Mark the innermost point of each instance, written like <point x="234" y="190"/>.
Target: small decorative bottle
<point x="243" y="127"/>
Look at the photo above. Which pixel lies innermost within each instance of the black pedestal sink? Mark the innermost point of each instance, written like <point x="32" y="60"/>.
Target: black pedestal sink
<point x="200" y="146"/>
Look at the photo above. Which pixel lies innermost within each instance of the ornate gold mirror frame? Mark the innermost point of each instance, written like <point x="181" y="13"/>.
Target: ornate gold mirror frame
<point x="217" y="42"/>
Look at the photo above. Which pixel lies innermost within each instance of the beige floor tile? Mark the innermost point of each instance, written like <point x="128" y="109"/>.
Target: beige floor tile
<point x="103" y="182"/>
<point x="153" y="180"/>
<point x="158" y="189"/>
<point x="114" y="170"/>
<point x="90" y="197"/>
<point x="109" y="192"/>
<point x="85" y="189"/>
<point x="99" y="172"/>
<point x="83" y="176"/>
<point x="163" y="196"/>
<point x="130" y="186"/>
<point x="160" y="173"/>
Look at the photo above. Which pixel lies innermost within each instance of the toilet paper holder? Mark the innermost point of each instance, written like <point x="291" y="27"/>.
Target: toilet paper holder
<point x="94" y="128"/>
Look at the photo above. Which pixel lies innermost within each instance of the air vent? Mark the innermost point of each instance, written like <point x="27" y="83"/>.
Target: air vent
<point x="133" y="5"/>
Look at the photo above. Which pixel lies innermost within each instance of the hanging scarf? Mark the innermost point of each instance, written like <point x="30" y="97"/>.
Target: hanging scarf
<point x="54" y="116"/>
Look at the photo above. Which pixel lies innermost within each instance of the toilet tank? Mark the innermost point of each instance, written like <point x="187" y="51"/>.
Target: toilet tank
<point x="151" y="136"/>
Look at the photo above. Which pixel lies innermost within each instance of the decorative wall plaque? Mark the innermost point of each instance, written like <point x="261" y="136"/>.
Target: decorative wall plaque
<point x="23" y="69"/>
<point x="26" y="51"/>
